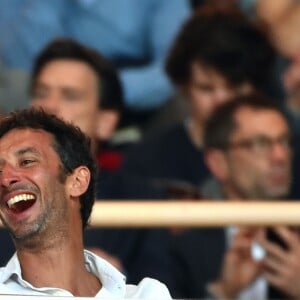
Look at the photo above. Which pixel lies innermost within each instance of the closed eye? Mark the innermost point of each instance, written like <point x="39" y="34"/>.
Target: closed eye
<point x="26" y="162"/>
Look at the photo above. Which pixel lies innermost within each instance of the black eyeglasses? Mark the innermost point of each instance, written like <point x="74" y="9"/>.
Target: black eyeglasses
<point x="262" y="144"/>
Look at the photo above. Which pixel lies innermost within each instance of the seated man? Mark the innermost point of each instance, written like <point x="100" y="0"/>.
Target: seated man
<point x="247" y="144"/>
<point x="77" y="84"/>
<point x="47" y="194"/>
<point x="217" y="55"/>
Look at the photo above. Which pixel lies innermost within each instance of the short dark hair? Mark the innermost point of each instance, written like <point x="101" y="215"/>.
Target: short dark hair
<point x="109" y="84"/>
<point x="221" y="124"/>
<point x="71" y="145"/>
<point x="226" y="41"/>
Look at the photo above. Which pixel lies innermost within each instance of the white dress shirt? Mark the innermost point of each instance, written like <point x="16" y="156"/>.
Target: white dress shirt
<point x="113" y="282"/>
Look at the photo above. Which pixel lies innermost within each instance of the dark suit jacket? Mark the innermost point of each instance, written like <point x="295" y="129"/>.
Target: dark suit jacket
<point x="143" y="252"/>
<point x="7" y="248"/>
<point x="197" y="255"/>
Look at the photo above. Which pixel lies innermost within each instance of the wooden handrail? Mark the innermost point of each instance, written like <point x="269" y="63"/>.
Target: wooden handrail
<point x="194" y="213"/>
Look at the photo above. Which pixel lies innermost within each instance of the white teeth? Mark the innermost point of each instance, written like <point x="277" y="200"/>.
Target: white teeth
<point x="18" y="198"/>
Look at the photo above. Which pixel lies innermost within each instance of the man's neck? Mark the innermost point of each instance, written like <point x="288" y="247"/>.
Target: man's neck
<point x="195" y="131"/>
<point x="62" y="267"/>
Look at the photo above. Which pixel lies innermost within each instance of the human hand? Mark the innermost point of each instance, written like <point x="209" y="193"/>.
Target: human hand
<point x="282" y="266"/>
<point x="239" y="269"/>
<point x="282" y="19"/>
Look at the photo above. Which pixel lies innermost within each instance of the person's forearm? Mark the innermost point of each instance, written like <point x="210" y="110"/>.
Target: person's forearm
<point x="271" y="11"/>
<point x="283" y="20"/>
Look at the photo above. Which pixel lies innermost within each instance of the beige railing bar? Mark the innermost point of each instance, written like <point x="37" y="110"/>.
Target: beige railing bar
<point x="193" y="213"/>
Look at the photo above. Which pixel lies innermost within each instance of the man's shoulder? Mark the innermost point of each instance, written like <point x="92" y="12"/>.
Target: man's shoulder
<point x="148" y="288"/>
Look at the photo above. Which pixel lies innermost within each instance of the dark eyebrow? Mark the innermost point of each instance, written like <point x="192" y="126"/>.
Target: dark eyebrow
<point x="23" y="151"/>
<point x="31" y="150"/>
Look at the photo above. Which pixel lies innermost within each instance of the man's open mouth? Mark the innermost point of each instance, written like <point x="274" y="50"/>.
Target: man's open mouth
<point x="21" y="202"/>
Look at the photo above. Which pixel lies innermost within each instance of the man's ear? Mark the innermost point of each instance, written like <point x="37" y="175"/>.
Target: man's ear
<point x="78" y="182"/>
<point x="217" y="163"/>
<point x="107" y="122"/>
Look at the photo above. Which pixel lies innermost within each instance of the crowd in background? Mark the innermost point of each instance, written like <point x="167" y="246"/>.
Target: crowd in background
<point x="181" y="99"/>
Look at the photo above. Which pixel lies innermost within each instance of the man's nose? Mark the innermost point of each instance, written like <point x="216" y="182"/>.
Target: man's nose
<point x="9" y="175"/>
<point x="221" y="96"/>
<point x="280" y="152"/>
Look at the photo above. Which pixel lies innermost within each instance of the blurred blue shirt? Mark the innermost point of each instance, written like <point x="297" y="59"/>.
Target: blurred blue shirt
<point x="136" y="35"/>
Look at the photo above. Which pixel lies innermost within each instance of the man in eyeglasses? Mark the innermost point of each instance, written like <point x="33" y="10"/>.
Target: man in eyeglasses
<point x="247" y="148"/>
<point x="249" y="152"/>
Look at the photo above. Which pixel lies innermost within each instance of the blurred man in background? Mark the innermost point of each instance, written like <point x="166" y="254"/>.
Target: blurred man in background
<point x="218" y="54"/>
<point x="247" y="146"/>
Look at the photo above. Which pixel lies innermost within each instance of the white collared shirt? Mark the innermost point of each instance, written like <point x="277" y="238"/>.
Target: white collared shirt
<point x="113" y="282"/>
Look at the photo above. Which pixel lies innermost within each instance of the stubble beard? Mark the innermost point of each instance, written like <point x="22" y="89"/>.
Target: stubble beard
<point x="47" y="229"/>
